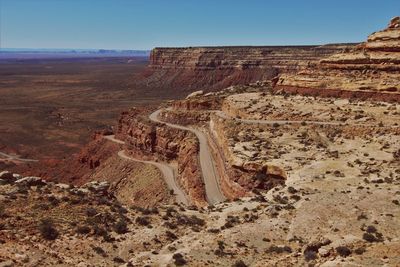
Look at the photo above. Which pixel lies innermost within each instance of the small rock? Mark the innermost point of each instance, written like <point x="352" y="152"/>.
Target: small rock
<point x="7" y="176"/>
<point x="22" y="257"/>
<point x="63" y="186"/>
<point x="8" y="263"/>
<point x="80" y="191"/>
<point x="17" y="176"/>
<point x="323" y="252"/>
<point x="97" y="187"/>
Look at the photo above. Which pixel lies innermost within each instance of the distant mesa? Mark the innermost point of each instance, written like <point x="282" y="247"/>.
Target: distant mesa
<point x="12" y="53"/>
<point x="365" y="70"/>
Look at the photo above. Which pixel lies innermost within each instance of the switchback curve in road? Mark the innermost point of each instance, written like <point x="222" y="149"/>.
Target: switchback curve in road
<point x="16" y="158"/>
<point x="210" y="174"/>
<point x="166" y="170"/>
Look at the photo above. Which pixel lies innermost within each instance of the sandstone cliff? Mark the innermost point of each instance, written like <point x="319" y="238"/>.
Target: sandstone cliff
<point x="213" y="68"/>
<point x="369" y="70"/>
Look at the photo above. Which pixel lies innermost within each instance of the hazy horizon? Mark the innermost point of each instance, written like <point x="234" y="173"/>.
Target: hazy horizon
<point x="143" y="25"/>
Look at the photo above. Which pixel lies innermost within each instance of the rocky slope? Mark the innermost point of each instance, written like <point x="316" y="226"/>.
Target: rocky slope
<point x="212" y="68"/>
<point x="131" y="182"/>
<point x="324" y="222"/>
<point x="369" y="70"/>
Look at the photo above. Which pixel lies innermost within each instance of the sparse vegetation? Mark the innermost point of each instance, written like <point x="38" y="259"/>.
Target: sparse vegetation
<point x="48" y="230"/>
<point x="179" y="260"/>
<point x="343" y="251"/>
<point x="121" y="227"/>
<point x="239" y="263"/>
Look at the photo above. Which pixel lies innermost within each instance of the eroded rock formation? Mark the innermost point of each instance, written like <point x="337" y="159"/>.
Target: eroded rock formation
<point x="212" y="68"/>
<point x="369" y="70"/>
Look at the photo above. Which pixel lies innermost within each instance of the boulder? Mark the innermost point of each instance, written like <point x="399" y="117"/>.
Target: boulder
<point x="6" y="175"/>
<point x="97" y="187"/>
<point x="394" y="23"/>
<point x="195" y="93"/>
<point x="30" y="181"/>
<point x="80" y="191"/>
<point x="63" y="186"/>
<point x="8" y="263"/>
<point x="17" y="176"/>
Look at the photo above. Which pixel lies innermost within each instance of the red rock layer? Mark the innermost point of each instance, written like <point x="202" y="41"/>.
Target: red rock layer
<point x="212" y="68"/>
<point x="369" y="70"/>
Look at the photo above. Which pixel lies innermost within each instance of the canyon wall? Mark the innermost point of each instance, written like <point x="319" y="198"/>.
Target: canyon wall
<point x="369" y="70"/>
<point x="213" y="68"/>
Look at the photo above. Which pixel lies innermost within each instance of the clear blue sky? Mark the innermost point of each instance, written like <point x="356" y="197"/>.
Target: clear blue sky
<point x="144" y="24"/>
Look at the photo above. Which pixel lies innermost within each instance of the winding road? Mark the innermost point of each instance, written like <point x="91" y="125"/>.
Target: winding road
<point x="223" y="115"/>
<point x="166" y="170"/>
<point x="208" y="169"/>
<point x="16" y="158"/>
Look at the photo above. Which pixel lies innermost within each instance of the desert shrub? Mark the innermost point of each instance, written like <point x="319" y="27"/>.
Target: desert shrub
<point x="214" y="230"/>
<point x="90" y="212"/>
<point x="279" y="249"/>
<point x="103" y="201"/>
<point x="103" y="232"/>
<point x="239" y="263"/>
<point x="119" y="208"/>
<point x="221" y="244"/>
<point x="371" y="237"/>
<point x="192" y="220"/>
<point x="83" y="229"/>
<point x="170" y="235"/>
<point x="99" y="230"/>
<point x="48" y="230"/>
<point x="100" y="251"/>
<point x="295" y="197"/>
<point x="371" y="229"/>
<point x="142" y="220"/>
<point x="343" y="251"/>
<point x="121" y="227"/>
<point x="2" y="210"/>
<point x="260" y="176"/>
<point x="359" y="251"/>
<point x="118" y="260"/>
<point x="179" y="260"/>
<point x="292" y="190"/>
<point x="310" y="255"/>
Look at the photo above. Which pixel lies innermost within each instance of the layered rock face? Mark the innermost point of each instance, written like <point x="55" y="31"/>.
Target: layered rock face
<point x="369" y="70"/>
<point x="212" y="68"/>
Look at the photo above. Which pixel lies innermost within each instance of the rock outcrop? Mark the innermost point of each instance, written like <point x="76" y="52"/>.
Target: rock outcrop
<point x="369" y="70"/>
<point x="212" y="68"/>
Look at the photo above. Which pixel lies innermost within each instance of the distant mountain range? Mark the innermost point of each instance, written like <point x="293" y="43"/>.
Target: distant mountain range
<point x="27" y="53"/>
